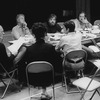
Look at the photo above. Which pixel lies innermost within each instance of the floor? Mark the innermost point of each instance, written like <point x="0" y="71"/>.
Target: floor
<point x="60" y="94"/>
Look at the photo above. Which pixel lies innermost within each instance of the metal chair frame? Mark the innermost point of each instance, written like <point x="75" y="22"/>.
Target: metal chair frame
<point x="68" y="91"/>
<point x="10" y="75"/>
<point x="37" y="67"/>
<point x="89" y="82"/>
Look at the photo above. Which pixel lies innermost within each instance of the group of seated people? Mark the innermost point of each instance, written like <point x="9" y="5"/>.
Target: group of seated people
<point x="42" y="51"/>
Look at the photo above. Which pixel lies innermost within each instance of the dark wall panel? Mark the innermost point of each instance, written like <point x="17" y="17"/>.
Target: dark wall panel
<point x="34" y="10"/>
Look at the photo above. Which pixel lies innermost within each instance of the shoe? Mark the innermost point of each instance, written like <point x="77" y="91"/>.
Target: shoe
<point x="22" y="84"/>
<point x="45" y="97"/>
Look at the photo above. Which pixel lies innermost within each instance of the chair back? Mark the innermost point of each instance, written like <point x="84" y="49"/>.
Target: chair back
<point x="75" y="59"/>
<point x="39" y="66"/>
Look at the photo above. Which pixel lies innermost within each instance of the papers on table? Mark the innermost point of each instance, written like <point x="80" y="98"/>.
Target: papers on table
<point x="28" y="40"/>
<point x="55" y="36"/>
<point x="14" y="41"/>
<point x="88" y="35"/>
<point x="94" y="48"/>
<point x="95" y="29"/>
<point x="15" y="46"/>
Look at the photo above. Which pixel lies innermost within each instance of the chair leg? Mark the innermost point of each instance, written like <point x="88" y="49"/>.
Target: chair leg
<point x="63" y="82"/>
<point x="93" y="94"/>
<point x="67" y="87"/>
<point x="80" y="73"/>
<point x="81" y="93"/>
<point x="5" y="89"/>
<point x="53" y="92"/>
<point x="98" y="92"/>
<point x="13" y="81"/>
<point x="3" y="82"/>
<point x="7" y="85"/>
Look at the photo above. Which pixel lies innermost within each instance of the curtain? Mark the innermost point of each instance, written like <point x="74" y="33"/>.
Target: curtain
<point x="83" y="5"/>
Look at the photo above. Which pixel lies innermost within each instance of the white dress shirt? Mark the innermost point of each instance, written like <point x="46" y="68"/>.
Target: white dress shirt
<point x="70" y="42"/>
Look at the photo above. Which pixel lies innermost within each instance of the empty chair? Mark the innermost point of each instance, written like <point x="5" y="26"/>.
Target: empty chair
<point x="73" y="61"/>
<point x="89" y="84"/>
<point x="40" y="67"/>
<point x="10" y="76"/>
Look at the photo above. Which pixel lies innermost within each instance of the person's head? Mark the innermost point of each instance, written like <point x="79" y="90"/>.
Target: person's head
<point x="20" y="18"/>
<point x="52" y="19"/>
<point x="70" y="26"/>
<point x="82" y="16"/>
<point x="39" y="30"/>
<point x="1" y="29"/>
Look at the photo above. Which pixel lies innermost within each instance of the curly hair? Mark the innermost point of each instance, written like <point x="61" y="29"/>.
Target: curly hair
<point x="70" y="25"/>
<point x="39" y="30"/>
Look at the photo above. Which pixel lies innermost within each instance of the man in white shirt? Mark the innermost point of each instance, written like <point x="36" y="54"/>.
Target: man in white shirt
<point x="21" y="28"/>
<point x="72" y="41"/>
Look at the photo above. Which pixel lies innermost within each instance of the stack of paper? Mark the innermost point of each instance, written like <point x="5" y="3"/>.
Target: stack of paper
<point x="28" y="40"/>
<point x="15" y="46"/>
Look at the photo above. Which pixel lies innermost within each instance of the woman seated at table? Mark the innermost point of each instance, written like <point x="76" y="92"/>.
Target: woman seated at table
<point x="82" y="23"/>
<point x="72" y="40"/>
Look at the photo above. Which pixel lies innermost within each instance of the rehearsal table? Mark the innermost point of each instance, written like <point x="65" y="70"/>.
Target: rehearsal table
<point x="86" y="39"/>
<point x="27" y="40"/>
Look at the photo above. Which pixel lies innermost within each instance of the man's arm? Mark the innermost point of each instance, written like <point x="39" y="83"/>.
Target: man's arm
<point x="20" y="54"/>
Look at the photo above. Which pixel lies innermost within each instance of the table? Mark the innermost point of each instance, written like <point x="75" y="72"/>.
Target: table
<point x="86" y="39"/>
<point x="16" y="44"/>
<point x="91" y="38"/>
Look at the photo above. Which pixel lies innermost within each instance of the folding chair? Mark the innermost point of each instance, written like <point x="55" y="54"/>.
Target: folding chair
<point x="87" y="83"/>
<point x="38" y="67"/>
<point x="73" y="61"/>
<point x="10" y="76"/>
